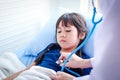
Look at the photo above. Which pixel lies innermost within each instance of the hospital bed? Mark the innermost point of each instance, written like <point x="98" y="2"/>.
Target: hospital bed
<point x="27" y="53"/>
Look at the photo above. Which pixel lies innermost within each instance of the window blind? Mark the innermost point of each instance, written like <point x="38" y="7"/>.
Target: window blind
<point x="20" y="20"/>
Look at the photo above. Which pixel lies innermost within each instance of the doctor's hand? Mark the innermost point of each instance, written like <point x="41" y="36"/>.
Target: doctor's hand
<point x="62" y="76"/>
<point x="75" y="61"/>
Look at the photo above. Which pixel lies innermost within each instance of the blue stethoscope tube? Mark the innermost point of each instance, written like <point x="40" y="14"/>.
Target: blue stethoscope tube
<point x="83" y="43"/>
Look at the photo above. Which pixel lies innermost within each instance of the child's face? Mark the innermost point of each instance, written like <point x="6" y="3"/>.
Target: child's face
<point x="67" y="37"/>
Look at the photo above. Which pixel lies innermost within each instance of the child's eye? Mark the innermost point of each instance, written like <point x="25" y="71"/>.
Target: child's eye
<point x="68" y="30"/>
<point x="59" y="31"/>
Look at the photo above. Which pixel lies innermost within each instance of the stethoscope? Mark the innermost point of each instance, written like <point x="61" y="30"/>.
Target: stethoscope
<point x="84" y="42"/>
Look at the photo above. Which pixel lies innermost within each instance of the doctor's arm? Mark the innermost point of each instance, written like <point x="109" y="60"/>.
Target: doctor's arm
<point x="75" y="61"/>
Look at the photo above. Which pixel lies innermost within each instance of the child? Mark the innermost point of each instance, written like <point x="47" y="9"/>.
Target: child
<point x="71" y="30"/>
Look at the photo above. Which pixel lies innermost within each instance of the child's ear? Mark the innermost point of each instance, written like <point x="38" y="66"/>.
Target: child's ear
<point x="82" y="35"/>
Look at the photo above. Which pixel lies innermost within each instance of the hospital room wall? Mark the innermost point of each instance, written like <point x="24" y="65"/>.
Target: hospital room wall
<point x="21" y="20"/>
<point x="73" y="5"/>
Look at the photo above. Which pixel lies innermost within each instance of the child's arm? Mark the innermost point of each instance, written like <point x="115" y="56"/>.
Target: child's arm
<point x="16" y="74"/>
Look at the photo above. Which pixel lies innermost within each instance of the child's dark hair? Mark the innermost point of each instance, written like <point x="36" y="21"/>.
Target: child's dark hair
<point x="74" y="19"/>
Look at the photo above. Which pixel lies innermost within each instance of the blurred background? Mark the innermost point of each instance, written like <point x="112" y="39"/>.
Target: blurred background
<point x="21" y="20"/>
